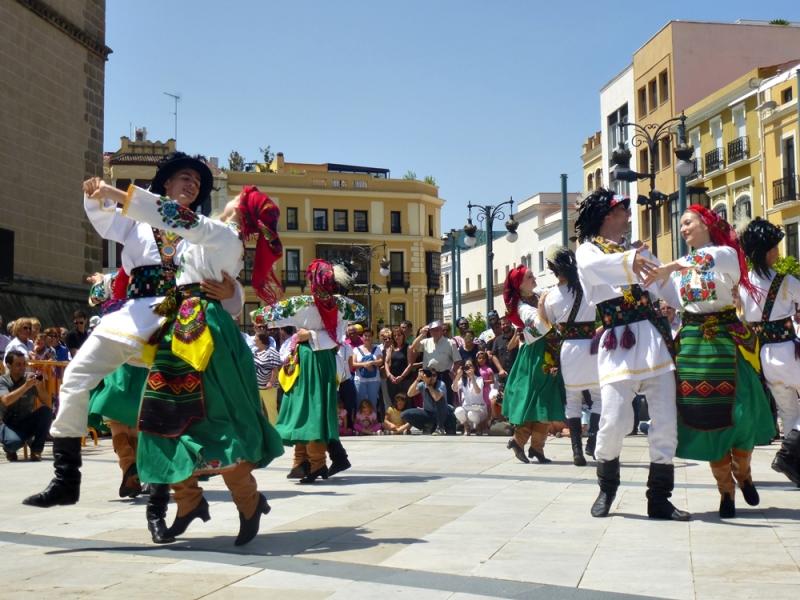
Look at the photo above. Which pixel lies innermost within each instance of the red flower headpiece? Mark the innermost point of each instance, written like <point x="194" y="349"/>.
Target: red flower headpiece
<point x="722" y="234"/>
<point x="323" y="285"/>
<point x="511" y="295"/>
<point x="259" y="216"/>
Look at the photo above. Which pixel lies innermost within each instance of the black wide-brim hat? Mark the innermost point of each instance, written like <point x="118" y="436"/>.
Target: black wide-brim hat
<point x="177" y="161"/>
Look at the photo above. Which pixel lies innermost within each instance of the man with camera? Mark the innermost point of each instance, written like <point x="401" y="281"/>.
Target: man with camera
<point x="20" y="420"/>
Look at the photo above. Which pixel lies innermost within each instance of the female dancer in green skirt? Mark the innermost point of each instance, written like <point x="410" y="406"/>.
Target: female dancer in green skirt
<point x="534" y="392"/>
<point x="723" y="411"/>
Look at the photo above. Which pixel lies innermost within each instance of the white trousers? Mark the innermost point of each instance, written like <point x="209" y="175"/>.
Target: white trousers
<point x="617" y="415"/>
<point x="574" y="408"/>
<point x="96" y="358"/>
<point x="475" y="413"/>
<point x="788" y="405"/>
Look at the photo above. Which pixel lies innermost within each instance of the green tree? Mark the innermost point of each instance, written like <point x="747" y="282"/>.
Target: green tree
<point x="779" y="22"/>
<point x="787" y="265"/>
<point x="477" y="323"/>
<point x="430" y="179"/>
<point x="410" y="175"/>
<point x="235" y="161"/>
<point x="268" y="156"/>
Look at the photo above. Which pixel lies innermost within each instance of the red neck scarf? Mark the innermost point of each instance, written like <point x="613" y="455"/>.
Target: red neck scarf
<point x="511" y="295"/>
<point x="259" y="216"/>
<point x="323" y="287"/>
<point x="722" y="234"/>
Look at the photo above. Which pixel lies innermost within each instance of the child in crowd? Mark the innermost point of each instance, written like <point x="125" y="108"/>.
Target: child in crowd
<point x="342" y="413"/>
<point x="486" y="373"/>
<point x="41" y="351"/>
<point x="393" y="423"/>
<point x="366" y="422"/>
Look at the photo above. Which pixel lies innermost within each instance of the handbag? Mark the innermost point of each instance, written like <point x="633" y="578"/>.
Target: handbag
<point x="289" y="372"/>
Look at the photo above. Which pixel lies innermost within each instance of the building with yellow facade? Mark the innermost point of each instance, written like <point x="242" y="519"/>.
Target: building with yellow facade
<point x="689" y="66"/>
<point x="780" y="111"/>
<point x="592" y="159"/>
<point x="362" y="216"/>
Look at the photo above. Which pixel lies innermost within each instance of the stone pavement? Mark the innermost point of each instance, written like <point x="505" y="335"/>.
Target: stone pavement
<point x="417" y="516"/>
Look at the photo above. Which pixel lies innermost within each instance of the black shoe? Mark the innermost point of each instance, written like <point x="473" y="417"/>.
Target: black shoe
<point x="660" y="483"/>
<point x="180" y="524"/>
<point x="539" y="456"/>
<point x="65" y="487"/>
<point x="133" y="489"/>
<point x="156" y="512"/>
<point x="518" y="452"/>
<point x="248" y="528"/>
<point x="727" y="507"/>
<point x="608" y="478"/>
<point x="787" y="459"/>
<point x="750" y="493"/>
<point x="578" y="459"/>
<point x="12" y="457"/>
<point x="299" y="471"/>
<point x="337" y="466"/>
<point x="312" y="477"/>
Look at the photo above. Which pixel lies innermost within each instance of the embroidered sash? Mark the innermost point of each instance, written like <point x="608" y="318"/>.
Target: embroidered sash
<point x="576" y="330"/>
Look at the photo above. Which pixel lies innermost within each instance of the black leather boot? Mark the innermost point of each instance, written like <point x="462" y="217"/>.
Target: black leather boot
<point x="518" y="451"/>
<point x="156" y="513"/>
<point x="591" y="440"/>
<point x="322" y="472"/>
<point x="608" y="478"/>
<point x="727" y="507"/>
<point x="130" y="486"/>
<point x="575" y="433"/>
<point x="339" y="460"/>
<point x="65" y="487"/>
<point x="248" y="528"/>
<point x="180" y="524"/>
<point x="787" y="459"/>
<point x="660" y="483"/>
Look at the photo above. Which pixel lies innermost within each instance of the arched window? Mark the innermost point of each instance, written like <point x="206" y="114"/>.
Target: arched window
<point x="590" y="183"/>
<point x="598" y="179"/>
<point x="722" y="210"/>
<point x="742" y="209"/>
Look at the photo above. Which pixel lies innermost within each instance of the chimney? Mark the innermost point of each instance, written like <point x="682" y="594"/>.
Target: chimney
<point x="279" y="162"/>
<point x="141" y="134"/>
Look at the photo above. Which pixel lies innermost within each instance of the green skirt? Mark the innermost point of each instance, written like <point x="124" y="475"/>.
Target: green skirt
<point x="722" y="403"/>
<point x="234" y="429"/>
<point x="309" y="410"/>
<point x="530" y="393"/>
<point x="118" y="396"/>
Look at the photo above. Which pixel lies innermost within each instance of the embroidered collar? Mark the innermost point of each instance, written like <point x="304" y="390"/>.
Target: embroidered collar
<point x="607" y="246"/>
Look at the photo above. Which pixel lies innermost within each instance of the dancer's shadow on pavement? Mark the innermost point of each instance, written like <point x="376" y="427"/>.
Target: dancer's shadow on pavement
<point x="321" y="540"/>
<point x="712" y="516"/>
<point x="225" y="495"/>
<point x="354" y="479"/>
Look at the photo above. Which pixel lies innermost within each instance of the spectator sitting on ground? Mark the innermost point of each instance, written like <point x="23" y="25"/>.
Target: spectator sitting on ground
<point x="366" y="419"/>
<point x="19" y="419"/>
<point x="22" y="337"/>
<point x="393" y="423"/>
<point x="435" y="413"/>
<point x="77" y="336"/>
<point x="472" y="413"/>
<point x="342" y="414"/>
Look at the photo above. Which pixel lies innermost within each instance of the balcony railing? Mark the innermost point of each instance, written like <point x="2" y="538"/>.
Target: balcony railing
<point x="784" y="189"/>
<point x="293" y="278"/>
<point x="398" y="279"/>
<point x="737" y="149"/>
<point x="714" y="160"/>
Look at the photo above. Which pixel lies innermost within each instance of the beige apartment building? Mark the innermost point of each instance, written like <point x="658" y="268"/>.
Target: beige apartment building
<point x="362" y="216"/>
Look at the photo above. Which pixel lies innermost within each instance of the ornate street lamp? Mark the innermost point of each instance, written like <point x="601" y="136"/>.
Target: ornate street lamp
<point x="365" y="254"/>
<point x="651" y="135"/>
<point x="489" y="213"/>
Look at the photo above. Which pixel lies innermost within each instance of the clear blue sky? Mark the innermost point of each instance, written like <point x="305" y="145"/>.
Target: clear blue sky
<point x="494" y="99"/>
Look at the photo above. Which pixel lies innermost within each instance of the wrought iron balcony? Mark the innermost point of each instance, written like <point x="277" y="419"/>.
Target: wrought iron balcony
<point x="293" y="277"/>
<point x="738" y="150"/>
<point x="714" y="160"/>
<point x="784" y="189"/>
<point x="398" y="279"/>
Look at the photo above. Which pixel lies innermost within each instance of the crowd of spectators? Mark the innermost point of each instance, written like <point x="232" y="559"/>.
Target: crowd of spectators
<point x="27" y="394"/>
